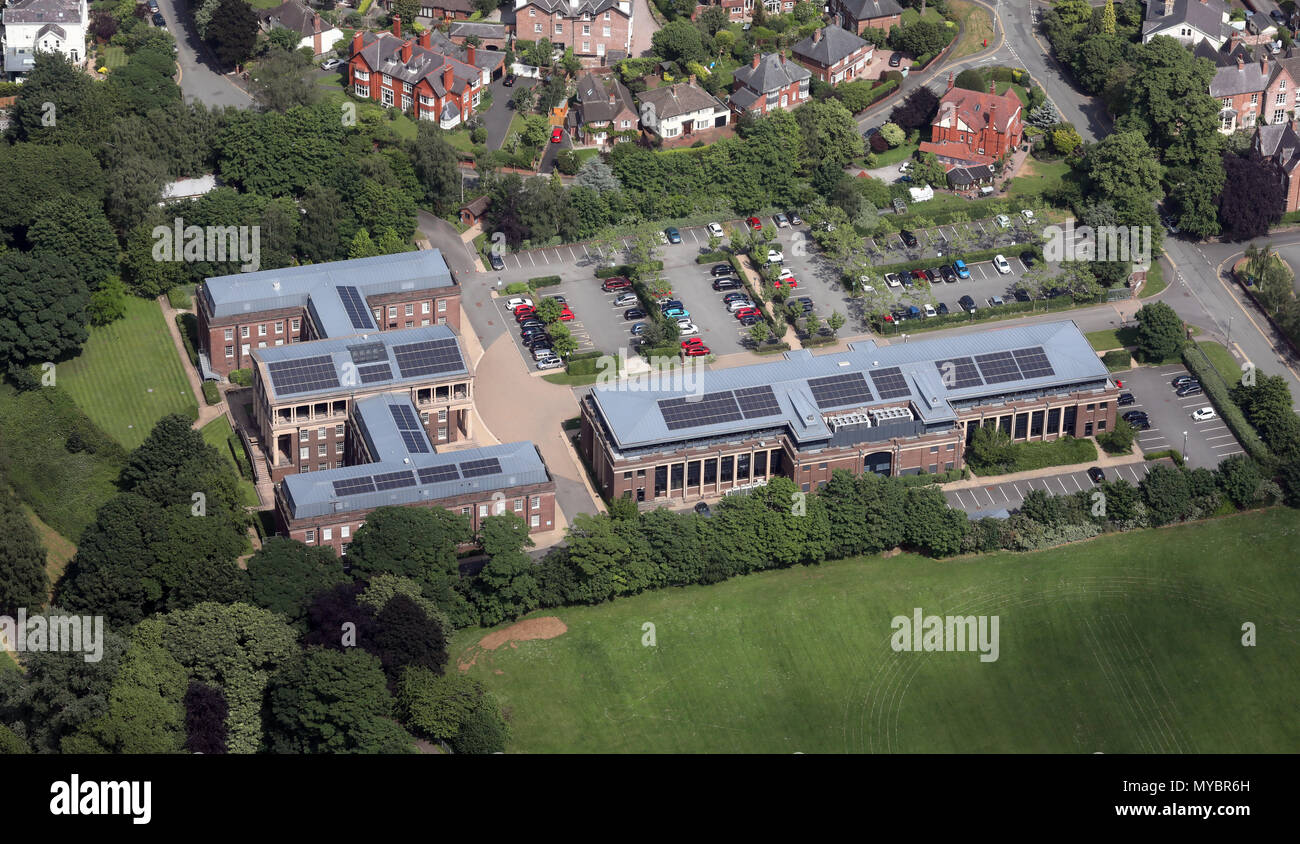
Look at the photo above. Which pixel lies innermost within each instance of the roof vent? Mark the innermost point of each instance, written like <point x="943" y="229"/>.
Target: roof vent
<point x="843" y="363"/>
<point x="275" y="285"/>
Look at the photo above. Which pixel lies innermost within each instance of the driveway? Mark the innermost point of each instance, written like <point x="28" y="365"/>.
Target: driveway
<point x="643" y="27"/>
<point x="497" y="119"/>
<point x="200" y="78"/>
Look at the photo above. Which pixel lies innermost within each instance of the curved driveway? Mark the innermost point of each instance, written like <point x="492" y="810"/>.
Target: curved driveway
<point x="199" y="79"/>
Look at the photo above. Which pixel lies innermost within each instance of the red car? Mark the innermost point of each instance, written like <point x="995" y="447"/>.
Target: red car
<point x="519" y="308"/>
<point x="696" y="351"/>
<point x="755" y="223"/>
<point x="748" y="312"/>
<point x="692" y="341"/>
<point x="566" y="314"/>
<point x="888" y="317"/>
<point x="615" y="283"/>
<point x="785" y="282"/>
<point x="525" y="313"/>
<point x="557" y="135"/>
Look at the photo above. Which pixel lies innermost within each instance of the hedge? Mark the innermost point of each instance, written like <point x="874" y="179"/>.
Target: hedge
<point x="517" y="287"/>
<point x="189" y="325"/>
<point x="1172" y="453"/>
<point x="544" y="281"/>
<point x="1116" y="360"/>
<point x="211" y="394"/>
<point x="242" y="377"/>
<point x="179" y="297"/>
<point x="1217" y="392"/>
<point x="624" y="270"/>
<point x="712" y="257"/>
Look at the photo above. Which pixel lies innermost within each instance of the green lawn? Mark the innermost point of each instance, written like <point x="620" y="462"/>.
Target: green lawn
<point x="1222" y="359"/>
<point x="459" y="138"/>
<point x="897" y="155"/>
<point x="1038" y="176"/>
<point x="129" y="375"/>
<point x="910" y="16"/>
<point x="112" y="57"/>
<point x="1125" y="644"/>
<point x="976" y="27"/>
<point x="219" y="434"/>
<point x="1107" y="339"/>
<point x="1155" y="282"/>
<point x="1027" y="456"/>
<point x="1021" y="91"/>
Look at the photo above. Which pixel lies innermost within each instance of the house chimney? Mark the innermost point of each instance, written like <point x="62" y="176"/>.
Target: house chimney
<point x="447" y="77"/>
<point x="692" y="80"/>
<point x="1263" y="66"/>
<point x="397" y="25"/>
<point x="754" y="64"/>
<point x="469" y="55"/>
<point x="993" y="88"/>
<point x="425" y="39"/>
<point x="611" y="100"/>
<point x="406" y="52"/>
<point x="952" y="79"/>
<point x="1239" y="62"/>
<point x="315" y="35"/>
<point x="817" y="35"/>
<point x="356" y="42"/>
<point x="1169" y="7"/>
<point x="837" y="20"/>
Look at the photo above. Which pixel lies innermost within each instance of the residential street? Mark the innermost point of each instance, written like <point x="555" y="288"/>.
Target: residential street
<point x="198" y="80"/>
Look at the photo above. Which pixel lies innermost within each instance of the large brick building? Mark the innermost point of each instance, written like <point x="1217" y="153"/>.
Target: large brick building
<point x="975" y="128"/>
<point x="737" y="10"/>
<point x="1280" y="144"/>
<point x="598" y="31"/>
<point x="681" y="110"/>
<point x="241" y="313"/>
<point x="893" y="410"/>
<point x="769" y="82"/>
<point x="834" y="55"/>
<point x="410" y="74"/>
<point x="860" y="15"/>
<point x="1251" y="92"/>
<point x="391" y="462"/>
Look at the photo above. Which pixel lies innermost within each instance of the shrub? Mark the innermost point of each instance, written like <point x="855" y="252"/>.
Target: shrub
<point x="1118" y="359"/>
<point x="712" y="257"/>
<point x="211" y="394"/>
<point x="189" y="325"/>
<point x="180" y="297"/>
<point x="242" y="377"/>
<point x="543" y="281"/>
<point x="515" y="288"/>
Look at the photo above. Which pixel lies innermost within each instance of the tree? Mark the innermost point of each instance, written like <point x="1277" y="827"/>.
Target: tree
<point x="1044" y="116"/>
<point x="42" y="307"/>
<point x="333" y="702"/>
<point x="523" y="99"/>
<point x="76" y="230"/>
<point x="829" y="132"/>
<point x="283" y="79"/>
<point x="835" y="321"/>
<point x="1253" y="197"/>
<point x="408" y="635"/>
<point x="454" y="708"/>
<point x="1066" y="139"/>
<point x="205" y="719"/>
<point x="436" y="165"/>
<point x="1239" y="478"/>
<point x="1160" y="332"/>
<point x="1166" y="493"/>
<point x="855" y="95"/>
<point x="1124" y="169"/>
<point x="920" y="38"/>
<point x="232" y="31"/>
<point x="680" y="42"/>
<point x="23" y="582"/>
<point x="1118" y="440"/>
<point x="285" y="575"/>
<point x="893" y="134"/>
<point x="1108" y="18"/>
<point x="972" y="79"/>
<point x="991" y="448"/>
<point x="917" y="110"/>
<point x="108" y="303"/>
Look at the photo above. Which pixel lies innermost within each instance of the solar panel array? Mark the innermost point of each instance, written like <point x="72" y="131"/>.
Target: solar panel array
<point x="478" y="468"/>
<point x="1033" y="362"/>
<point x="890" y="383"/>
<point x="408" y="425"/>
<point x="303" y="375"/>
<point x="353" y="486"/>
<point x="438" y="474"/>
<point x="427" y="358"/>
<point x="839" y="390"/>
<point x="394" y="480"/>
<point x="368" y="353"/>
<point x="998" y="367"/>
<point x="710" y="409"/>
<point x="757" y="401"/>
<point x="356" y="307"/>
<point x="374" y="372"/>
<point x="958" y="372"/>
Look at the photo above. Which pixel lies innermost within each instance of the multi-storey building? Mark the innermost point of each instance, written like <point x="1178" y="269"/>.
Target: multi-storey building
<point x="32" y="26"/>
<point x="244" y="312"/>
<point x="893" y="410"/>
<point x="409" y="74"/>
<point x="860" y="15"/>
<point x="681" y="110"/>
<point x="975" y="128"/>
<point x="769" y="82"/>
<point x="833" y="54"/>
<point x="391" y="462"/>
<point x="598" y="31"/>
<point x="1280" y="144"/>
<point x="1252" y="92"/>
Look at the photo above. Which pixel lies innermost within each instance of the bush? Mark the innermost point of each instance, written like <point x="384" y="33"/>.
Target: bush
<point x="624" y="270"/>
<point x="516" y="288"/>
<point x="567" y="162"/>
<point x="211" y="394"/>
<point x="180" y="297"/>
<point x="1119" y="440"/>
<point x="189" y="325"/>
<point x="242" y="377"/>
<point x="712" y="257"/>
<point x="543" y="281"/>
<point x="1116" y="360"/>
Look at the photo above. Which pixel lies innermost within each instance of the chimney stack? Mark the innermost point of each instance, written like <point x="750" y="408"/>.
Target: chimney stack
<point x="952" y="79"/>
<point x="356" y="42"/>
<point x="406" y="52"/>
<point x="817" y="36"/>
<point x="754" y="64"/>
<point x="1239" y="63"/>
<point x="1263" y="66"/>
<point x="692" y="80"/>
<point x="469" y="55"/>
<point x="447" y="77"/>
<point x="315" y="35"/>
<point x="425" y="39"/>
<point x="1169" y="7"/>
<point x="397" y="25"/>
<point x="993" y="88"/>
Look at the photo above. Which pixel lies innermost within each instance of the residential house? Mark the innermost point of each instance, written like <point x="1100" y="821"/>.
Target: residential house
<point x="769" y="82"/>
<point x="1187" y="21"/>
<point x="304" y="22"/>
<point x="598" y="31"/>
<point x="605" y="108"/>
<point x="833" y="54"/>
<point x="975" y="127"/>
<point x="739" y="10"/>
<point x="491" y="63"/>
<point x="1227" y="55"/>
<point x="409" y="74"/>
<point x="1279" y="143"/>
<point x="1252" y="92"/>
<point x="859" y="15"/>
<point x="56" y="26"/>
<point x="440" y="9"/>
<point x="971" y="180"/>
<point x="676" y="111"/>
<point x="778" y="7"/>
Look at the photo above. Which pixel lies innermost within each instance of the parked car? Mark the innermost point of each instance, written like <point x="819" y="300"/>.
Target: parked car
<point x="557" y="135"/>
<point x="748" y="312"/>
<point x="557" y="297"/>
<point x="715" y="229"/>
<point x="948" y="273"/>
<point x="638" y="329"/>
<point x="929" y="310"/>
<point x="1142" y="424"/>
<point x="775" y="256"/>
<point x="682" y="322"/>
<point x="781" y="221"/>
<point x="524" y="312"/>
<point x="702" y="508"/>
<point x="913" y="312"/>
<point x="727" y="284"/>
<point x="551" y="362"/>
<point x="750" y="319"/>
<point x="1132" y="415"/>
<point x="495" y="260"/>
<point x="1096" y="475"/>
<point x="1192" y="389"/>
<point x="158" y="19"/>
<point x="934" y="274"/>
<point x="674" y="236"/>
<point x="625" y="300"/>
<point x="688" y="329"/>
<point x="806" y="302"/>
<point x="565" y="314"/>
<point x="721" y="269"/>
<point x="615" y="283"/>
<point x="963" y="271"/>
<point x="1000" y="264"/>
<point x="908" y="279"/>
<point x="1204" y="414"/>
<point x="509" y="81"/>
<point x="1169" y="224"/>
<point x="669" y="302"/>
<point x="1003" y="221"/>
<point x="1028" y="258"/>
<point x="864" y="282"/>
<point x="515" y="301"/>
<point x="634" y="313"/>
<point x="994" y="301"/>
<point x="788" y="283"/>
<point x="693" y="341"/>
<point x="697" y="351"/>
<point x="1180" y="380"/>
<point x="1125" y="399"/>
<point x="330" y="64"/>
<point x="892" y="280"/>
<point x="732" y="297"/>
<point x="895" y="59"/>
<point x="1028" y="215"/>
<point x="967" y="304"/>
<point x="942" y="309"/>
<point x="755" y="224"/>
<point x="739" y="305"/>
<point x="532" y="322"/>
<point x="795" y="219"/>
<point x="542" y="351"/>
<point x="676" y="312"/>
<point x="908" y="238"/>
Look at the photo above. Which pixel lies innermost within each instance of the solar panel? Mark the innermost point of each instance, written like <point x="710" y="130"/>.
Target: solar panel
<point x="375" y="372"/>
<point x="368" y="353"/>
<point x="302" y="376"/>
<point x="478" y="468"/>
<point x="394" y="480"/>
<point x="838" y="390"/>
<point x="405" y="417"/>
<point x="356" y="307"/>
<point x="757" y="401"/>
<point x="890" y="383"/>
<point x="1033" y="362"/>
<point x="710" y="409"/>
<point x="438" y="474"/>
<point x="353" y="486"/>
<point x="415" y="442"/>
<point x="427" y="358"/>
<point x="998" y="367"/>
<point x="957" y="373"/>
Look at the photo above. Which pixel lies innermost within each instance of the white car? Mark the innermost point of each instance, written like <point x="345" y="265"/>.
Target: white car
<point x="682" y="322"/>
<point x="775" y="256"/>
<point x="541" y="353"/>
<point x="739" y="305"/>
<point x="551" y="362"/>
<point x="689" y="329"/>
<point x="1204" y="414"/>
<point x="929" y="310"/>
<point x="785" y="273"/>
<point x="863" y="282"/>
<point x="330" y="64"/>
<point x="1001" y="265"/>
<point x="715" y="229"/>
<point x="905" y="166"/>
<point x="893" y="280"/>
<point x="1003" y="221"/>
<point x="1028" y="215"/>
<point x="517" y="301"/>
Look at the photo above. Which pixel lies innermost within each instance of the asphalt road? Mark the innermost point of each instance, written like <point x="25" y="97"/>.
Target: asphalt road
<point x="201" y="79"/>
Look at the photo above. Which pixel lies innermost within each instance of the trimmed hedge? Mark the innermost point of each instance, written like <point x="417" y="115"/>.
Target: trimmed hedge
<point x="544" y="281"/>
<point x="712" y="257"/>
<point x="189" y="326"/>
<point x="624" y="270"/>
<point x="211" y="394"/>
<point x="1116" y="360"/>
<point x="1217" y="392"/>
<point x="179" y="297"/>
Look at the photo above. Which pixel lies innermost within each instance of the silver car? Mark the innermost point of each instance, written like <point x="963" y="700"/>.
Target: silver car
<point x="551" y="362"/>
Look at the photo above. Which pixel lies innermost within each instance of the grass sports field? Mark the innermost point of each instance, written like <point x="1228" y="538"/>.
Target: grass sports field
<point x="128" y="375"/>
<point x="1125" y="644"/>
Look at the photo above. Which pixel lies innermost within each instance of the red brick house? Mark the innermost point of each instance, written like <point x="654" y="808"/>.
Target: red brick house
<point x="739" y="10"/>
<point x="975" y="127"/>
<point x="440" y="9"/>
<point x="599" y="31"/>
<point x="409" y="74"/>
<point x="605" y="107"/>
<point x="769" y="82"/>
<point x="1279" y="143"/>
<point x="472" y="212"/>
<point x="860" y="15"/>
<point x="834" y="55"/>
<point x="1251" y="93"/>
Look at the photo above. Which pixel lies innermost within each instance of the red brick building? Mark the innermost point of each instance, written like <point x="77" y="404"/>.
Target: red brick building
<point x="605" y="108"/>
<point x="975" y="128"/>
<point x="769" y="82"/>
<point x="738" y="10"/>
<point x="410" y="74"/>
<point x="598" y="31"/>
<point x="1280" y="143"/>
<point x="834" y="55"/>
<point x="1251" y="92"/>
<point x="440" y="9"/>
<point x="860" y="15"/>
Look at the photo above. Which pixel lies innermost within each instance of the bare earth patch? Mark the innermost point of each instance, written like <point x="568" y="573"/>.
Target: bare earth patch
<point x="548" y="627"/>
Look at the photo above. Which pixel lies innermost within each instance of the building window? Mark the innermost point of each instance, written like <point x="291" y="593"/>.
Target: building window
<point x="261" y="331"/>
<point x="519" y="505"/>
<point x="536" y="502"/>
<point x="1280" y="99"/>
<point x="345" y="531"/>
<point x="442" y="415"/>
<point x="1254" y="98"/>
<point x="243" y="331"/>
<point x="410" y="323"/>
<point x="464" y="511"/>
<point x="230" y="351"/>
<point x="293" y="324"/>
<point x="338" y="430"/>
<point x="424" y="307"/>
<point x="607" y="32"/>
<point x="304" y="435"/>
<point x="559" y="29"/>
<point x="338" y="448"/>
<point x="279" y="327"/>
<point x="537" y="27"/>
<point x="304" y="453"/>
<point x="586" y="29"/>
<point x="482" y="511"/>
<point x="392" y="312"/>
<point x="230" y="334"/>
<point x="320" y="433"/>
<point x="311" y="535"/>
<point x="410" y="309"/>
<point x="321" y="450"/>
<point x="442" y="306"/>
<point x="442" y="433"/>
<point x="535" y="521"/>
<point x="1227" y="102"/>
<point x="326" y="534"/>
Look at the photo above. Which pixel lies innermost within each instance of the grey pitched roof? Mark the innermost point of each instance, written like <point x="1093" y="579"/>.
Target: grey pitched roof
<point x="771" y="74"/>
<point x="490" y="59"/>
<point x="867" y="9"/>
<point x="312" y="494"/>
<point x="51" y="27"/>
<point x="1205" y="15"/>
<point x="1250" y="77"/>
<point x="1279" y="141"/>
<point x="674" y="100"/>
<point x="743" y="97"/>
<point x="314" y="285"/>
<point x="576" y="9"/>
<point x="634" y="419"/>
<point x="482" y="29"/>
<point x="593" y="95"/>
<point x="382" y="53"/>
<point x="958" y="176"/>
<point x="293" y="16"/>
<point x="42" y="11"/>
<point x="1225" y="57"/>
<point x="339" y="352"/>
<point x="835" y="44"/>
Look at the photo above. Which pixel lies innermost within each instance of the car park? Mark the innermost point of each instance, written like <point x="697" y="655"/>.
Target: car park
<point x="787" y="283"/>
<point x="750" y="319"/>
<point x="715" y="229"/>
<point x="807" y="303"/>
<point x="694" y="341"/>
<point x="748" y="312"/>
<point x="702" y="508"/>
<point x="1129" y="416"/>
<point x="669" y="302"/>
<point x="721" y="270"/>
<point x="557" y="298"/>
<point x="755" y="224"/>
<point x="908" y="279"/>
<point x="1028" y="258"/>
<point x="913" y="312"/>
<point x="1204" y="414"/>
<point x="1096" y="475"/>
<point x="731" y="297"/>
<point x="942" y="309"/>
<point x="633" y="314"/>
<point x="524" y="312"/>
<point x="615" y="283"/>
<point x="967" y="304"/>
<point x="1003" y="221"/>
<point x="1125" y="399"/>
<point x="908" y="238"/>
<point x="934" y="274"/>
<point x="625" y="300"/>
<point x="929" y="310"/>
<point x="497" y="263"/>
<point x="781" y="221"/>
<point x="963" y="271"/>
<point x="1192" y="389"/>
<point x="786" y="273"/>
<point x="682" y="322"/>
<point x="542" y="351"/>
<point x="517" y="301"/>
<point x="948" y="273"/>
<point x="663" y="238"/>
<point x="673" y="235"/>
<point x="727" y="284"/>
<point x="795" y="219"/>
<point x="922" y="275"/>
<point x="892" y="280"/>
<point x="551" y="362"/>
<point x="1000" y="264"/>
<point x="1021" y="294"/>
